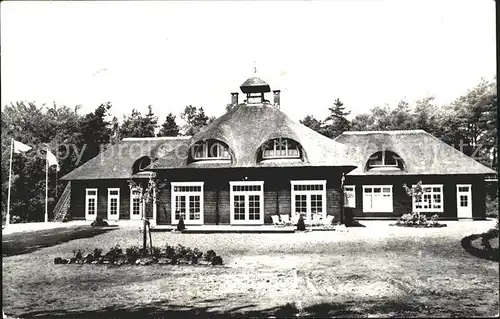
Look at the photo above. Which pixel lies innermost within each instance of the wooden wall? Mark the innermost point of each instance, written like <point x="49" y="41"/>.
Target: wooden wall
<point x="402" y="203"/>
<point x="277" y="190"/>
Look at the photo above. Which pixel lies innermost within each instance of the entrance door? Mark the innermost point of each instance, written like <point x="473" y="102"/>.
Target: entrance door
<point x="464" y="201"/>
<point x="136" y="207"/>
<point x="113" y="203"/>
<point x="309" y="199"/>
<point x="187" y="201"/>
<point x="247" y="203"/>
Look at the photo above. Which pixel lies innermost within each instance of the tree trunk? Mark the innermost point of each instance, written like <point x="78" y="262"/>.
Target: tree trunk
<point x="144" y="235"/>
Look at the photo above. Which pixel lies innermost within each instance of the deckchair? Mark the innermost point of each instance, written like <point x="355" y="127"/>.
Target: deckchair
<point x="286" y="219"/>
<point x="276" y="221"/>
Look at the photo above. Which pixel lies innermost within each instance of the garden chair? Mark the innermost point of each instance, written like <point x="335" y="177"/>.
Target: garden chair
<point x="316" y="220"/>
<point x="286" y="220"/>
<point x="295" y="219"/>
<point x="327" y="222"/>
<point x="276" y="221"/>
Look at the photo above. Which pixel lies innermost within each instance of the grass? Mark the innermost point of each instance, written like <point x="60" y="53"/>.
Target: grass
<point x="373" y="271"/>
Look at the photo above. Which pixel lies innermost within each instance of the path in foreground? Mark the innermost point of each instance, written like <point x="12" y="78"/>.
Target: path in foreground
<point x="381" y="271"/>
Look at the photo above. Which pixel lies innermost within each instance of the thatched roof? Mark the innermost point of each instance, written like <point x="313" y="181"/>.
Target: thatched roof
<point x="117" y="161"/>
<point x="422" y="153"/>
<point x="247" y="127"/>
<point x="244" y="129"/>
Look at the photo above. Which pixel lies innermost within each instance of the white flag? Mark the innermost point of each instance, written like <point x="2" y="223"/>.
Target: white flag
<point x="20" y="147"/>
<point x="52" y="160"/>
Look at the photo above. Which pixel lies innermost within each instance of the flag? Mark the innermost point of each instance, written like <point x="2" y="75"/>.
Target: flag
<point x="52" y="160"/>
<point x="20" y="147"/>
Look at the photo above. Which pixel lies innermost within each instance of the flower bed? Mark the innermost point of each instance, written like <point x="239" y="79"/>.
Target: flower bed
<point x="170" y="255"/>
<point x="418" y="220"/>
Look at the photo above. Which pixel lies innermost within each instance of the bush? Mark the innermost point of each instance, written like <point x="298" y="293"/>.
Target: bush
<point x="138" y="256"/>
<point x="417" y="219"/>
<point x="491" y="207"/>
<point x="300" y="224"/>
<point x="97" y="253"/>
<point x="132" y="252"/>
<point x="99" y="222"/>
<point x="180" y="225"/>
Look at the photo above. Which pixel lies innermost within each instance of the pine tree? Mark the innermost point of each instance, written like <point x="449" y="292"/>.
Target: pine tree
<point x="169" y="127"/>
<point x="337" y="121"/>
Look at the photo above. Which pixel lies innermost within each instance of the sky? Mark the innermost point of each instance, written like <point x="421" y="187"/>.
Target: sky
<point x="173" y="54"/>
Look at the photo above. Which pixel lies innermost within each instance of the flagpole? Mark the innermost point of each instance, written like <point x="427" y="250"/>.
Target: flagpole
<point x="46" y="188"/>
<point x="7" y="221"/>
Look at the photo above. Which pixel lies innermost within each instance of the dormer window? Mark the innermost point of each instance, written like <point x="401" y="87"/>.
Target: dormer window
<point x="280" y="148"/>
<point x="210" y="150"/>
<point x="385" y="160"/>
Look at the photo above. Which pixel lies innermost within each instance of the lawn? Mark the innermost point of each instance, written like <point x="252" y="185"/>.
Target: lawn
<point x="374" y="271"/>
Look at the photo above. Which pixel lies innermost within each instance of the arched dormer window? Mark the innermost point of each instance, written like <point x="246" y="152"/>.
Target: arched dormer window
<point x="141" y="164"/>
<point x="280" y="148"/>
<point x="385" y="160"/>
<point x="210" y="150"/>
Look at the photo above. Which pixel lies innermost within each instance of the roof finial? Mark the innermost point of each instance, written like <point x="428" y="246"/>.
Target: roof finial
<point x="254" y="67"/>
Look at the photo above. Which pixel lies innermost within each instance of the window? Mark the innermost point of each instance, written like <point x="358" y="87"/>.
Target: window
<point x="309" y="199"/>
<point x="385" y="160"/>
<point x="247" y="202"/>
<point x="90" y="203"/>
<point x="280" y="148"/>
<point x="136" y="205"/>
<point x="113" y="203"/>
<point x="187" y="201"/>
<point x="210" y="150"/>
<point x="350" y="196"/>
<point x="377" y="199"/>
<point x="431" y="199"/>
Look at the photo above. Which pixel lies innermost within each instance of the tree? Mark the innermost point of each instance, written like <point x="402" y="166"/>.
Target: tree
<point x="401" y="117"/>
<point x="195" y="119"/>
<point x="136" y="125"/>
<point x="311" y="122"/>
<point x="95" y="131"/>
<point x="337" y="123"/>
<point x="169" y="127"/>
<point x="362" y="122"/>
<point x="43" y="128"/>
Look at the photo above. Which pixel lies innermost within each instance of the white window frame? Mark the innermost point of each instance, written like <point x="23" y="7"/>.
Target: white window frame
<point x="141" y="206"/>
<point x="350" y="201"/>
<point x="232" y="193"/>
<point x="221" y="149"/>
<point x="309" y="193"/>
<point x="87" y="197"/>
<point x="117" y="197"/>
<point x="275" y="142"/>
<point x="431" y="209"/>
<point x="388" y="209"/>
<point x="173" y="202"/>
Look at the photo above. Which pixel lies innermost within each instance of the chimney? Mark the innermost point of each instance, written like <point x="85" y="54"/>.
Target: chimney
<point x="276" y="94"/>
<point x="234" y="98"/>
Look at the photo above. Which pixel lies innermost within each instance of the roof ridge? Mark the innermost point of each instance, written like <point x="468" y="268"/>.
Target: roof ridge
<point x="384" y="132"/>
<point x="158" y="138"/>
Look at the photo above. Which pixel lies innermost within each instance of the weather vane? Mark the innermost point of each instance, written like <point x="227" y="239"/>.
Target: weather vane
<point x="254" y="67"/>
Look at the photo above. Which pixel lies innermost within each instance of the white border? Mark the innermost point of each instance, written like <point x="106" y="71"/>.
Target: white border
<point x="117" y="204"/>
<point x="354" y="195"/>
<point x="132" y="196"/>
<point x="309" y="193"/>
<point x="201" y="193"/>
<point x="87" y="196"/>
<point x="469" y="193"/>
<point x="260" y="221"/>
<point x="388" y="209"/>
<point x="430" y="210"/>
